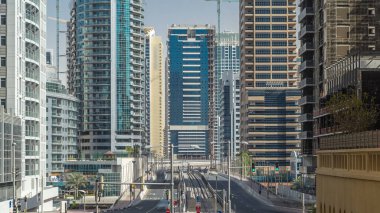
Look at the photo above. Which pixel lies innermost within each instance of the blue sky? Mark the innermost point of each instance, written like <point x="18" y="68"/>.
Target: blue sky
<point x="159" y="14"/>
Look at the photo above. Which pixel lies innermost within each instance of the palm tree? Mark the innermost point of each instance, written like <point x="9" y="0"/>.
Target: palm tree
<point x="75" y="181"/>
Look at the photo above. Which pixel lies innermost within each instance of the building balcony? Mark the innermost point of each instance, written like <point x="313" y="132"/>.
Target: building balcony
<point x="306" y="100"/>
<point x="33" y="114"/>
<point x="306" y="135"/>
<point x="307" y="11"/>
<point x="306" y="47"/>
<point x="321" y="112"/>
<point x="307" y="117"/>
<point x="306" y="65"/>
<point x="34" y="95"/>
<point x="306" y="82"/>
<point x="327" y="131"/>
<point x="306" y="30"/>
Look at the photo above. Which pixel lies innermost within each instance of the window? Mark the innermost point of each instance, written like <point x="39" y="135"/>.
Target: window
<point x="279" y="59"/>
<point x="3" y="82"/>
<point x="3" y="1"/>
<point x="262" y="35"/>
<point x="262" y="27"/>
<point x="262" y="60"/>
<point x="278" y="35"/>
<point x="263" y="51"/>
<point x="262" y="19"/>
<point x="262" y="43"/>
<point x="279" y="51"/>
<point x="3" y="102"/>
<point x="371" y="11"/>
<point x="371" y="31"/>
<point x="279" y="11"/>
<point x="262" y="68"/>
<point x="3" y="61"/>
<point x="279" y="19"/>
<point x="279" y="3"/>
<point x="279" y="43"/>
<point x="3" y="40"/>
<point x="279" y="76"/>
<point x="263" y="76"/>
<point x="262" y="11"/>
<point x="3" y="19"/>
<point x="262" y="3"/>
<point x="279" y="68"/>
<point x="279" y="27"/>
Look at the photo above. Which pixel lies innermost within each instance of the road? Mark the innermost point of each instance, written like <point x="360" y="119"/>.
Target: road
<point x="243" y="202"/>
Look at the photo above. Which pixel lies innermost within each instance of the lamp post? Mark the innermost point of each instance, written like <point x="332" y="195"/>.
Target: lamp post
<point x="229" y="174"/>
<point x="14" y="175"/>
<point x="172" y="170"/>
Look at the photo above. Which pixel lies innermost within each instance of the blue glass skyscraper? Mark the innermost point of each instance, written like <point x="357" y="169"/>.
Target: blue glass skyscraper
<point x="191" y="86"/>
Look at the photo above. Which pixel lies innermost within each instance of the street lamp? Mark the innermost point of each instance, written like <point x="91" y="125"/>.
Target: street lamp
<point x="229" y="174"/>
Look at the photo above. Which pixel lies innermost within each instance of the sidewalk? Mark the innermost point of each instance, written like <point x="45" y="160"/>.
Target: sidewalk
<point x="267" y="197"/>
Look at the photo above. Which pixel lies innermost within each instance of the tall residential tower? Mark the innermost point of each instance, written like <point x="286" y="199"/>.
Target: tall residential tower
<point x="269" y="88"/>
<point x="191" y="87"/>
<point x="156" y="99"/>
<point x="108" y="74"/>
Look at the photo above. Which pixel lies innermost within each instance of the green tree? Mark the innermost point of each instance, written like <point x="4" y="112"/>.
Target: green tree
<point x="353" y="114"/>
<point x="75" y="181"/>
<point x="246" y="159"/>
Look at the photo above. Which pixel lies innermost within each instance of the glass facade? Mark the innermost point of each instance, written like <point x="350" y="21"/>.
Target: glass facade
<point x="190" y="59"/>
<point x="111" y="92"/>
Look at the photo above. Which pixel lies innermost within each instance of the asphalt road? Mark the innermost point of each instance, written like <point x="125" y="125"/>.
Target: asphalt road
<point x="243" y="202"/>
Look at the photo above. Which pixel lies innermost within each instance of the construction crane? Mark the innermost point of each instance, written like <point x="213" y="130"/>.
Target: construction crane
<point x="58" y="22"/>
<point x="218" y="71"/>
<point x="219" y="2"/>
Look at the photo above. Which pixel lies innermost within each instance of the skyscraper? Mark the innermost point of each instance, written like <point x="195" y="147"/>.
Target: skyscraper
<point x="22" y="92"/>
<point x="155" y="91"/>
<point x="191" y="87"/>
<point x="111" y="92"/>
<point x="329" y="30"/>
<point x="269" y="93"/>
<point x="228" y="103"/>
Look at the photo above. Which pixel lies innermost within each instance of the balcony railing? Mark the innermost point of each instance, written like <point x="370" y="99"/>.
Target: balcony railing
<point x="306" y="82"/>
<point x="360" y="140"/>
<point x="307" y="11"/>
<point x="306" y="100"/>
<point x="321" y="112"/>
<point x="306" y="30"/>
<point x="327" y="131"/>
<point x="306" y="135"/>
<point x="308" y="64"/>
<point x="305" y="117"/>
<point x="308" y="46"/>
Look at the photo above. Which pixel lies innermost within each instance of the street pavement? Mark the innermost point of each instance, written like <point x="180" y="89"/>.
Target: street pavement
<point x="243" y="202"/>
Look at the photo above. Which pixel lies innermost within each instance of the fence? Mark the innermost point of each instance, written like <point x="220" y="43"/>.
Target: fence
<point x="368" y="139"/>
<point x="286" y="192"/>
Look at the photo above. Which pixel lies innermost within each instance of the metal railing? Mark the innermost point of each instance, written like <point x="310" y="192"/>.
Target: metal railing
<point x="360" y="140"/>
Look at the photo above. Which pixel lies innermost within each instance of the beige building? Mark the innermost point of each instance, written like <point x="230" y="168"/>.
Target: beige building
<point x="156" y="95"/>
<point x="348" y="179"/>
<point x="269" y="92"/>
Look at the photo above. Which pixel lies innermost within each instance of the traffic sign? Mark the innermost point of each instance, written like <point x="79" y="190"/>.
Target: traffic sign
<point x="198" y="199"/>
